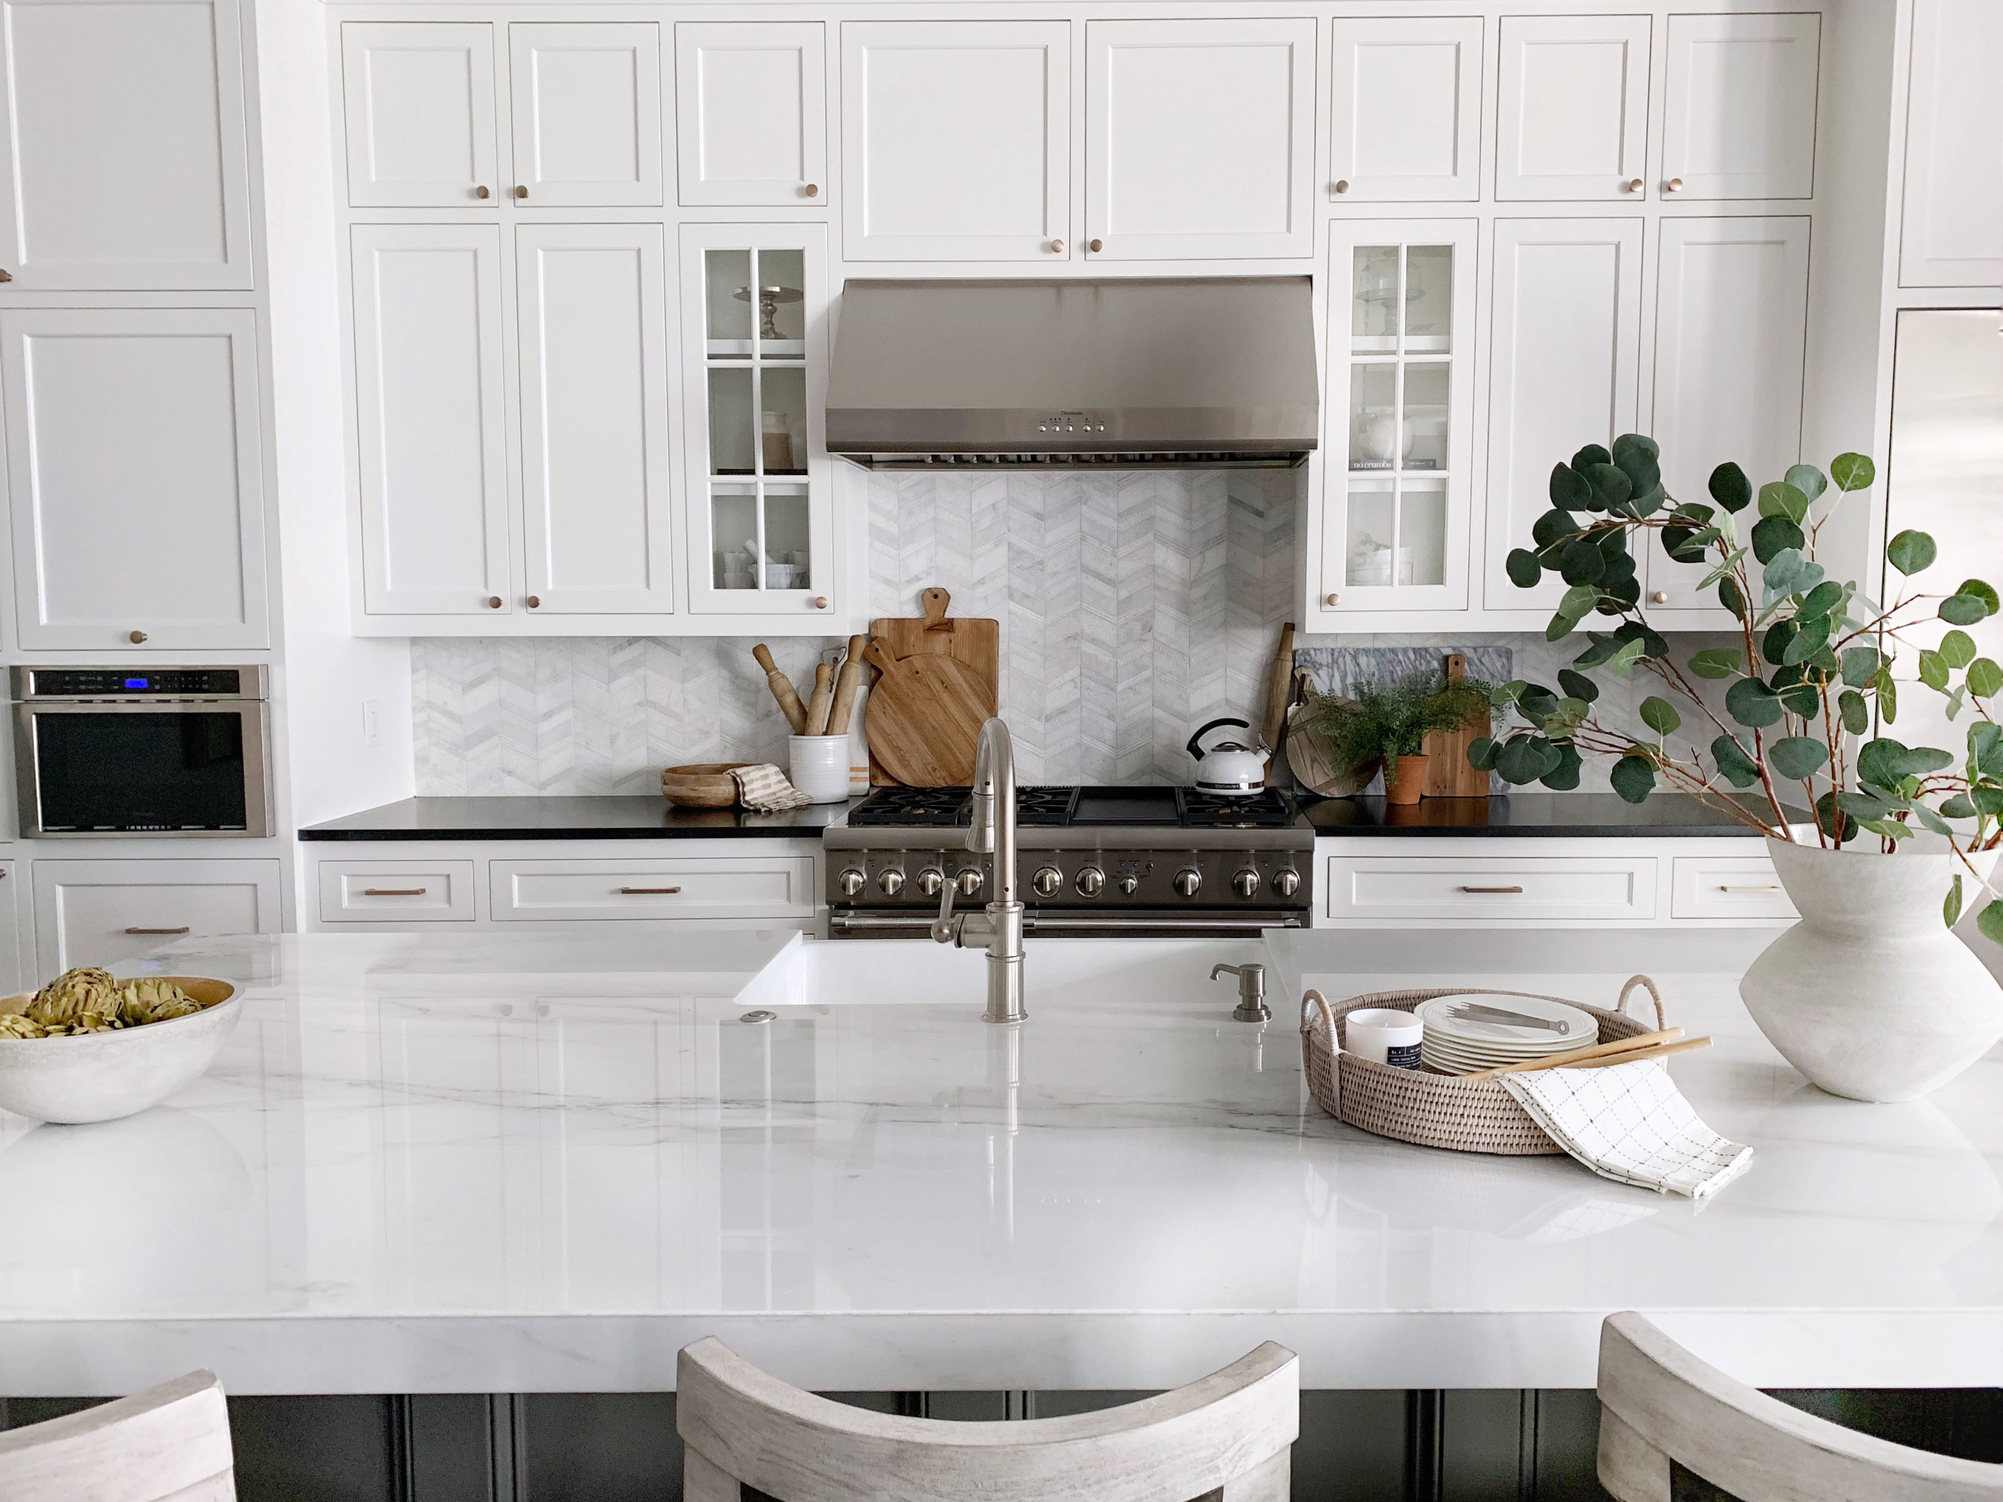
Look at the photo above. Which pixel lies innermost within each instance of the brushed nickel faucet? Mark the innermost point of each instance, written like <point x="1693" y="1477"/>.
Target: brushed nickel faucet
<point x="991" y="831"/>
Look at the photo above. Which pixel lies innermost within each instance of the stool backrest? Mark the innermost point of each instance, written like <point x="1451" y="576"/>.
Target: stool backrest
<point x="1661" y="1405"/>
<point x="1228" y="1436"/>
<point x="170" y="1443"/>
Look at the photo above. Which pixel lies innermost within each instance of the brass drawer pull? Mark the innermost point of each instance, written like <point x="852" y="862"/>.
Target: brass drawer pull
<point x="1773" y="888"/>
<point x="181" y="930"/>
<point x="1492" y="889"/>
<point x="394" y="891"/>
<point x="648" y="891"/>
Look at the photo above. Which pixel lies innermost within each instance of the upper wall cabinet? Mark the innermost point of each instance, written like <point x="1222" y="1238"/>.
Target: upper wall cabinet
<point x="1952" y="230"/>
<point x="956" y="140"/>
<point x="1405" y="110"/>
<point x="1199" y="138"/>
<point x="1738" y="117"/>
<point x="156" y="539"/>
<point x="420" y="113"/>
<point x="1572" y="107"/>
<point x="124" y="162"/>
<point x="587" y="113"/>
<point x="752" y="115"/>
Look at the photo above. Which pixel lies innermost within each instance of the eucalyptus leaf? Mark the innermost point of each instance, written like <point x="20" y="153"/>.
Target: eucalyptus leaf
<point x="1729" y="594"/>
<point x="1654" y="643"/>
<point x="1590" y="455"/>
<point x="1888" y="694"/>
<point x="1602" y="649"/>
<point x="1825" y="599"/>
<point x="1990" y="922"/>
<point x="1869" y="805"/>
<point x="1565" y="776"/>
<point x="1922" y="759"/>
<point x="1560" y="626"/>
<point x="1581" y="562"/>
<point x="1803" y="699"/>
<point x="1611" y="486"/>
<point x="1508" y="693"/>
<point x="1569" y="490"/>
<point x="1809" y="640"/>
<point x="1985" y="678"/>
<point x="1774" y="644"/>
<point x="1860" y="665"/>
<point x="1880" y="763"/>
<point x="1734" y="762"/>
<point x="1552" y="528"/>
<point x="1960" y="806"/>
<point x="1911" y="552"/>
<point x="1730" y="488"/>
<point x="1957" y="701"/>
<point x="1963" y="610"/>
<point x="1891" y="829"/>
<point x="1833" y="820"/>
<point x="1526" y="758"/>
<point x="1797" y="757"/>
<point x="1985" y="749"/>
<point x="1623" y="661"/>
<point x="1778" y="498"/>
<point x="1716" y="662"/>
<point x="1578" y="685"/>
<point x="1807" y="479"/>
<point x="1524" y="569"/>
<point x="1751" y="702"/>
<point x="1579" y="599"/>
<point x="1932" y="820"/>
<point x="1788" y="572"/>
<point x="1987" y="800"/>
<point x="1957" y="649"/>
<point x="1633" y="777"/>
<point x="1852" y="471"/>
<point x="1933" y="671"/>
<point x="1982" y="592"/>
<point x="1950" y="910"/>
<point x="1856" y="713"/>
<point x="1773" y="536"/>
<point x="1725" y="565"/>
<point x="1481" y="753"/>
<point x="1660" y="715"/>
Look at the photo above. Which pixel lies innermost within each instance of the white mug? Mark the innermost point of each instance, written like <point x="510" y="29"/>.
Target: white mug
<point x="1384" y="1035"/>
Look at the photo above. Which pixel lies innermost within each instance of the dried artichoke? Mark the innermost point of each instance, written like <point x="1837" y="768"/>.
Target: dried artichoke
<point x="74" y="993"/>
<point x="152" y="1000"/>
<point x="14" y="1025"/>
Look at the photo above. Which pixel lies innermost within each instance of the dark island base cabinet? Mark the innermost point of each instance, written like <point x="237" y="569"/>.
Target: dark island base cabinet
<point x="1428" y="1446"/>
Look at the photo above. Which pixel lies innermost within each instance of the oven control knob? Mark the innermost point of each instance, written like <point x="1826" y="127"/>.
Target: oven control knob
<point x="1287" y="882"/>
<point x="930" y="880"/>
<point x="968" y="881"/>
<point x="1246" y="883"/>
<point x="850" y="881"/>
<point x="1188" y="882"/>
<point x="1047" y="880"/>
<point x="1129" y="884"/>
<point x="1092" y="881"/>
<point x="892" y="882"/>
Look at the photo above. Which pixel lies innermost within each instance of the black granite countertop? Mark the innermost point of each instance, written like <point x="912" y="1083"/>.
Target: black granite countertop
<point x="1525" y="816"/>
<point x="583" y="818"/>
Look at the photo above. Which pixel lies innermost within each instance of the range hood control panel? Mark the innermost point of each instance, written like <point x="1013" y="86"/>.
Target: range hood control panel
<point x="1070" y="424"/>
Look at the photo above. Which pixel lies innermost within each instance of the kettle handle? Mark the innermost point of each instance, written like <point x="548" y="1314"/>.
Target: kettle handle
<point x="1195" y="750"/>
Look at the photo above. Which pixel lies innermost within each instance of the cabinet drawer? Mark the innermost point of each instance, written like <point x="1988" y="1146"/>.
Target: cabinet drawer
<point x="111" y="912"/>
<point x="1727" y="886"/>
<point x="396" y="892"/>
<point x="1612" y="889"/>
<point x="749" y="887"/>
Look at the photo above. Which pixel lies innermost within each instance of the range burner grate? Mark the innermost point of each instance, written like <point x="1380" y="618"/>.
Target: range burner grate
<point x="1060" y="807"/>
<point x="1269" y="809"/>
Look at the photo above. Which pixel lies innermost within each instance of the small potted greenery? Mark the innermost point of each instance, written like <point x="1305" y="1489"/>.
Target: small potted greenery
<point x="1389" y="722"/>
<point x="1869" y="995"/>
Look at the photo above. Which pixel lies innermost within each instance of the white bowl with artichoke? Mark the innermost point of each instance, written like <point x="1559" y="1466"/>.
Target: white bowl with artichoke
<point x="89" y="1047"/>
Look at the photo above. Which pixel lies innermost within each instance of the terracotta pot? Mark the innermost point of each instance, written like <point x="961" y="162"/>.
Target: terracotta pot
<point x="1406" y="781"/>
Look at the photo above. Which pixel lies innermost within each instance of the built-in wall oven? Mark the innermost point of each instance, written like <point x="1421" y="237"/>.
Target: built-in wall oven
<point x="142" y="751"/>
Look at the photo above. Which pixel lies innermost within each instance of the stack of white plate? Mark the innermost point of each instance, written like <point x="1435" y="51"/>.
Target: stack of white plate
<point x="1479" y="1030"/>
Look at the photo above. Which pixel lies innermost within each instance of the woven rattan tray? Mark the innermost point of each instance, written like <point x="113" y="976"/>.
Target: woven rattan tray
<point x="1434" y="1110"/>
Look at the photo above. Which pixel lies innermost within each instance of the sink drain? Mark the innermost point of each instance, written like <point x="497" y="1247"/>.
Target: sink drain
<point x="759" y="1016"/>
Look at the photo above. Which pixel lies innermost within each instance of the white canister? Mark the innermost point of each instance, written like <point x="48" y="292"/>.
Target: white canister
<point x="1384" y="1035"/>
<point x="820" y="766"/>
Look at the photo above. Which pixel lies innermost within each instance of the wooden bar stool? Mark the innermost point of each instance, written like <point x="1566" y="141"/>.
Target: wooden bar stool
<point x="1671" y="1425"/>
<point x="170" y="1443"/>
<point x="1228" y="1437"/>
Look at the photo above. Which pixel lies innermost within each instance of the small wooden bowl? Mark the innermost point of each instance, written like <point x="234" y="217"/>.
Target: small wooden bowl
<point x="704" y="785"/>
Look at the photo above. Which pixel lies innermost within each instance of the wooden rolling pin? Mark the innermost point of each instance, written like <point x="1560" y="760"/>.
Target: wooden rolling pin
<point x="782" y="689"/>
<point x="846" y="685"/>
<point x="823" y="700"/>
<point x="1278" y="678"/>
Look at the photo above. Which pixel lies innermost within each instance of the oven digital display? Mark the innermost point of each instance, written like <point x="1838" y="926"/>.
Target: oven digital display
<point x="140" y="771"/>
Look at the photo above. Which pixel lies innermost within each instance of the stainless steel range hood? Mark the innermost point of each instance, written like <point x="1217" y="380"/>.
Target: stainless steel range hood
<point x="1112" y="374"/>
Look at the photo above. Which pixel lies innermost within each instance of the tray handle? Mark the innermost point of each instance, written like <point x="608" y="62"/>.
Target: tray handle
<point x="1628" y="990"/>
<point x="1334" y="1104"/>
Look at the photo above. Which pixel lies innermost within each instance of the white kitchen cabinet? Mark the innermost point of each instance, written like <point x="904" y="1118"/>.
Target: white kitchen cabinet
<point x="760" y="523"/>
<point x="14" y="977"/>
<point x="109" y="912"/>
<point x="1394" y="522"/>
<point x="956" y="140"/>
<point x="740" y="886"/>
<point x="1951" y="232"/>
<point x="752" y="114"/>
<point x="384" y="893"/>
<point x="430" y="420"/>
<point x="593" y="342"/>
<point x="156" y="538"/>
<point x="421" y="125"/>
<point x="1572" y="107"/>
<point x="1730" y="340"/>
<point x="1199" y="138"/>
<point x="124" y="164"/>
<point x="1564" y="362"/>
<point x="587" y="113"/>
<point x="1405" y="109"/>
<point x="1491" y="891"/>
<point x="1727" y="886"/>
<point x="1738" y="118"/>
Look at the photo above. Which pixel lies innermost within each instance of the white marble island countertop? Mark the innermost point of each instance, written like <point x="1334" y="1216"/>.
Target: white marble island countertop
<point x="538" y="1163"/>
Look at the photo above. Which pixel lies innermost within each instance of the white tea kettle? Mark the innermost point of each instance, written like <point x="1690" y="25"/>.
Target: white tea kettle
<point x="1229" y="767"/>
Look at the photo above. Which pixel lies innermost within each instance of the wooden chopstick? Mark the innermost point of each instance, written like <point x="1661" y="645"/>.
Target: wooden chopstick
<point x="1588" y="1051"/>
<point x="1663" y="1051"/>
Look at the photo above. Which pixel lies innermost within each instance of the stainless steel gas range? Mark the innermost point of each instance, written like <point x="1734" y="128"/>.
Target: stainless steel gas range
<point x="1095" y="861"/>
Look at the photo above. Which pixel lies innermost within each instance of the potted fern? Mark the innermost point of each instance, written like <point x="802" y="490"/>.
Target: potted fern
<point x="1869" y="995"/>
<point x="1389" y="722"/>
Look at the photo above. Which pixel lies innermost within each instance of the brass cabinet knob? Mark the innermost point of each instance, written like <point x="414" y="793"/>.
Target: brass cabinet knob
<point x="1660" y="597"/>
<point x="493" y="602"/>
<point x="1674" y="185"/>
<point x="1057" y="247"/>
<point x="521" y="190"/>
<point x="1634" y="185"/>
<point x="1096" y="246"/>
<point x="137" y="637"/>
<point x="534" y="602"/>
<point x="1333" y="600"/>
<point x="813" y="190"/>
<point x="481" y="192"/>
<point x="1342" y="185"/>
<point x="820" y="602"/>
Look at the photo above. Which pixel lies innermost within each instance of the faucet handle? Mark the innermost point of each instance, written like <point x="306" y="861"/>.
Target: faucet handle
<point x="944" y="927"/>
<point x="1251" y="991"/>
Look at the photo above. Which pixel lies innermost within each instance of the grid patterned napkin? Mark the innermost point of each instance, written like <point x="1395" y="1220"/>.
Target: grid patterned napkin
<point x="764" y="788"/>
<point x="1629" y="1122"/>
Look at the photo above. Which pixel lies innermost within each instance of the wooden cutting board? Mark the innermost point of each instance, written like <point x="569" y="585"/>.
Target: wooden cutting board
<point x="925" y="717"/>
<point x="968" y="639"/>
<point x="1447" y="773"/>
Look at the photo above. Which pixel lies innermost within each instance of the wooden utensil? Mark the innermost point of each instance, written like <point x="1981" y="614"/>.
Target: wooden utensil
<point x="1447" y="773"/>
<point x="847" y="682"/>
<point x="971" y="640"/>
<point x="925" y="717"/>
<point x="702" y="785"/>
<point x="782" y="689"/>
<point x="1661" y="1052"/>
<point x="1611" y="1051"/>
<point x="823" y="700"/>
<point x="1278" y="675"/>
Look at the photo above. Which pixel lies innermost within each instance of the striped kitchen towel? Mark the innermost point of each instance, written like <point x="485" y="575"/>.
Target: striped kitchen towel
<point x="1630" y="1123"/>
<point x="764" y="788"/>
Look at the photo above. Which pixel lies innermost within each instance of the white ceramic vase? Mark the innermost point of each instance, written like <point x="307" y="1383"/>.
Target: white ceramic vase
<point x="1871" y="995"/>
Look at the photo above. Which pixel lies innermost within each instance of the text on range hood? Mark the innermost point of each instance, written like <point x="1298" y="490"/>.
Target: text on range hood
<point x="1116" y="374"/>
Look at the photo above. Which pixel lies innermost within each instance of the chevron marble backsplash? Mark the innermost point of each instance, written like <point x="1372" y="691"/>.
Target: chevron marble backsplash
<point x="1134" y="607"/>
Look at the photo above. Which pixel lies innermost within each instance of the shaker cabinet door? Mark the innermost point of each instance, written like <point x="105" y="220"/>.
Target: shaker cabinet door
<point x="1199" y="138"/>
<point x="430" y="430"/>
<point x="593" y="334"/>
<point x="956" y="140"/>
<point x="124" y="164"/>
<point x="752" y="114"/>
<point x="1730" y="339"/>
<point x="587" y="113"/>
<point x="419" y="103"/>
<point x="1952" y="230"/>
<point x="110" y="912"/>
<point x="1572" y="107"/>
<point x="1738" y="117"/>
<point x="1405" y="110"/>
<point x="135" y="474"/>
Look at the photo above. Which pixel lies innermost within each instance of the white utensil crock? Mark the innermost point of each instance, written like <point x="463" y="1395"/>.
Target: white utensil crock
<point x="821" y="767"/>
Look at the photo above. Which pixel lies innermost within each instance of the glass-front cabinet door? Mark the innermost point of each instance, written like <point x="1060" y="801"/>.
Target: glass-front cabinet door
<point x="1397" y="499"/>
<point x="754" y="320"/>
